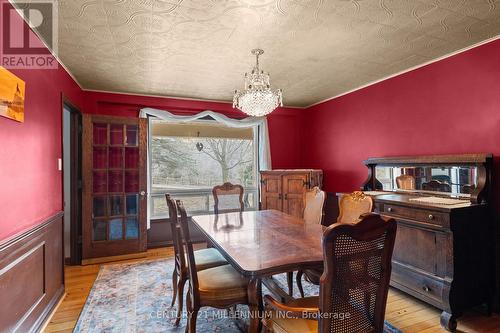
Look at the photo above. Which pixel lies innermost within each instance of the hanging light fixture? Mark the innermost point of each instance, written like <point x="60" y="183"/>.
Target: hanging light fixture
<point x="199" y="145"/>
<point x="258" y="99"/>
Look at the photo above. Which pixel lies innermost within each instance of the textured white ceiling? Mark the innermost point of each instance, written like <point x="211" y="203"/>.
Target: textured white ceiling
<point x="313" y="49"/>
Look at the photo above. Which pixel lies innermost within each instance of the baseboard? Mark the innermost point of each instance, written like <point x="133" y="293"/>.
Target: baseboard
<point x="31" y="265"/>
<point x="51" y="310"/>
<point x="101" y="260"/>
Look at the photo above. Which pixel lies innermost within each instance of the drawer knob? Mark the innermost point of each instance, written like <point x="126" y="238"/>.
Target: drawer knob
<point x="431" y="217"/>
<point x="426" y="289"/>
<point x="389" y="209"/>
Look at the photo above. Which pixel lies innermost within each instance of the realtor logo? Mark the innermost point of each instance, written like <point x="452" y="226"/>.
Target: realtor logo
<point x="20" y="47"/>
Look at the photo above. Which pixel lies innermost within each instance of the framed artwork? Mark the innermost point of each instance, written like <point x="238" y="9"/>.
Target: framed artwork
<point x="12" y="91"/>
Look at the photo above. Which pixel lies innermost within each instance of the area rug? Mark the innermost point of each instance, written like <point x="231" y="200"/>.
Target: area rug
<point x="136" y="297"/>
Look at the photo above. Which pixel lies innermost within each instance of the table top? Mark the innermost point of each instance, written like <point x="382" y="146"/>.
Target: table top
<point x="266" y="242"/>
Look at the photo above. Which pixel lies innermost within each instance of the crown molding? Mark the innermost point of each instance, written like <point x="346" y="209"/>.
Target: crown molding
<point x="486" y="41"/>
<point x="116" y="92"/>
<point x="194" y="99"/>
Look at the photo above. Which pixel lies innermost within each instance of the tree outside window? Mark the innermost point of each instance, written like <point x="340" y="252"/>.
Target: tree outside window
<point x="188" y="165"/>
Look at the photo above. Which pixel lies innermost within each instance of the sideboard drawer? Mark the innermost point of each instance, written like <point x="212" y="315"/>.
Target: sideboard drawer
<point x="422" y="215"/>
<point x="420" y="284"/>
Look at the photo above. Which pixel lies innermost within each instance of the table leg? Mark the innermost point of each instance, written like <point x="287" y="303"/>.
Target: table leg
<point x="255" y="304"/>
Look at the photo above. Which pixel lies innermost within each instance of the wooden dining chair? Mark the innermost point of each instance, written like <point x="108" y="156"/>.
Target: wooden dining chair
<point x="436" y="185"/>
<point x="467" y="188"/>
<point x="405" y="182"/>
<point x="220" y="287"/>
<point x="351" y="207"/>
<point x="228" y="198"/>
<point x="353" y="287"/>
<point x="314" y="205"/>
<point x="204" y="258"/>
<point x="313" y="214"/>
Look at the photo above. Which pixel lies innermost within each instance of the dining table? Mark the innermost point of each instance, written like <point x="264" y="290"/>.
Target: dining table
<point x="260" y="244"/>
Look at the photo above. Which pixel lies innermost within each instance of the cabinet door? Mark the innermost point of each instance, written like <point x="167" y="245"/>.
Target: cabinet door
<point x="420" y="249"/>
<point x="294" y="186"/>
<point x="114" y="186"/>
<point x="271" y="192"/>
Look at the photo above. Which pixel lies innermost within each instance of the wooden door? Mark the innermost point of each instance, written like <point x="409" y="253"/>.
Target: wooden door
<point x="294" y="186"/>
<point x="271" y="192"/>
<point x="114" y="186"/>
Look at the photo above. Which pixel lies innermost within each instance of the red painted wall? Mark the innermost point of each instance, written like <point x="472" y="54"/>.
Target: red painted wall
<point x="451" y="106"/>
<point x="285" y="124"/>
<point x="30" y="183"/>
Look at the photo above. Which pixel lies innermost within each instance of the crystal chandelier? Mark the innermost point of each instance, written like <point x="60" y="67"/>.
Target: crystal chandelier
<point x="258" y="99"/>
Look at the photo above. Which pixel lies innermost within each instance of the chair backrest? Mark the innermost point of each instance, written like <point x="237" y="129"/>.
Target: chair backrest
<point x="357" y="270"/>
<point x="467" y="188"/>
<point x="353" y="205"/>
<point x="180" y="260"/>
<point x="405" y="182"/>
<point x="191" y="262"/>
<point x="228" y="198"/>
<point x="314" y="204"/>
<point x="436" y="185"/>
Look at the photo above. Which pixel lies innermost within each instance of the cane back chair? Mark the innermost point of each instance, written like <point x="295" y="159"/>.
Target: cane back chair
<point x="353" y="286"/>
<point x="351" y="207"/>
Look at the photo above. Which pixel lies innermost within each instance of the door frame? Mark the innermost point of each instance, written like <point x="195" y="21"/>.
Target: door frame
<point x="97" y="252"/>
<point x="76" y="179"/>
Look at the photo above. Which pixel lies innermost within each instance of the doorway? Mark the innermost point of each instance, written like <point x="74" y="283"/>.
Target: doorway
<point x="72" y="182"/>
<point x="114" y="214"/>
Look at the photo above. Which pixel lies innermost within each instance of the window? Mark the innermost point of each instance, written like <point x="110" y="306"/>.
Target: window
<point x="189" y="159"/>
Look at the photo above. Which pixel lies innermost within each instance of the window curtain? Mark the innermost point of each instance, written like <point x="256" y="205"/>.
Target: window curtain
<point x="258" y="124"/>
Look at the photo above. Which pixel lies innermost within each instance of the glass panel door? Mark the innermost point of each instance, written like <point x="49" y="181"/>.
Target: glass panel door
<point x="114" y="172"/>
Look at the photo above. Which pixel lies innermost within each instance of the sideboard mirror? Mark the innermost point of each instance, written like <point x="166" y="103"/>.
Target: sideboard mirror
<point x="464" y="176"/>
<point x="453" y="180"/>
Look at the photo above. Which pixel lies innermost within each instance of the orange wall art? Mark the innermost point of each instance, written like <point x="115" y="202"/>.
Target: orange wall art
<point x="12" y="91"/>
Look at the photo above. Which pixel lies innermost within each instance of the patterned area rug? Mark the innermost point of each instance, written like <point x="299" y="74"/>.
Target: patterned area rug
<point x="136" y="297"/>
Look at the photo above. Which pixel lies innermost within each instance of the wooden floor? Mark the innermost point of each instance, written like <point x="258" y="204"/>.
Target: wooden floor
<point x="403" y="311"/>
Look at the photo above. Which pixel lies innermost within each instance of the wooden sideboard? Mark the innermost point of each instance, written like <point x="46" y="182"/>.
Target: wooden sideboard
<point x="444" y="253"/>
<point x="284" y="190"/>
